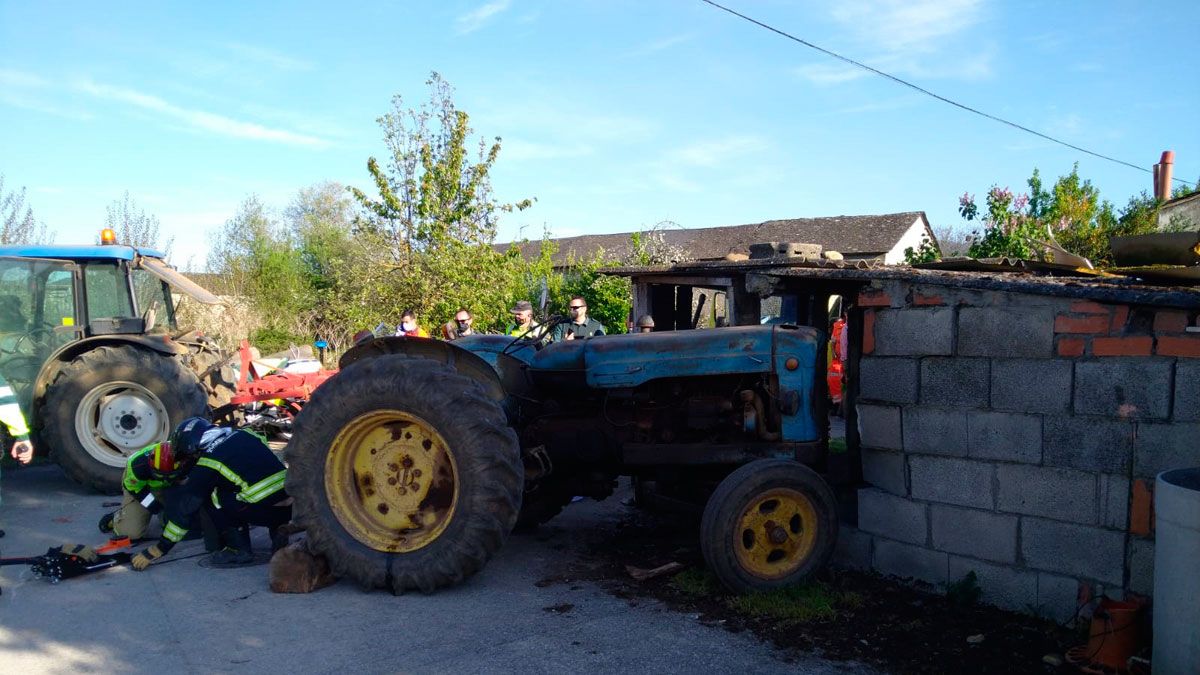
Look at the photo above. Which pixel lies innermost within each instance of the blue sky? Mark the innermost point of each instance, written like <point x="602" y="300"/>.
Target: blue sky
<point x="614" y="114"/>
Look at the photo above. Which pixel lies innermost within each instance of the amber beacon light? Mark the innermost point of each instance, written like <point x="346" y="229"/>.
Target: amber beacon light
<point x="107" y="236"/>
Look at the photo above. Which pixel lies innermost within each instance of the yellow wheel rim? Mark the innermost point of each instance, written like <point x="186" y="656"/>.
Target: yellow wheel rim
<point x="392" y="481"/>
<point x="776" y="533"/>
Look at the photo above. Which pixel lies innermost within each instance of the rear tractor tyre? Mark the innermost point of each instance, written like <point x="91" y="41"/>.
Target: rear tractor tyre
<point x="404" y="473"/>
<point x="109" y="403"/>
<point x="771" y="523"/>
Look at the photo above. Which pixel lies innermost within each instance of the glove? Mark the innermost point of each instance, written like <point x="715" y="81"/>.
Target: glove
<point x="142" y="560"/>
<point x="86" y="553"/>
<point x="106" y="523"/>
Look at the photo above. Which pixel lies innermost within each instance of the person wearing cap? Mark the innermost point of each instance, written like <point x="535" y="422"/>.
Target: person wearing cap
<point x="11" y="417"/>
<point x="523" y="323"/>
<point x="645" y="324"/>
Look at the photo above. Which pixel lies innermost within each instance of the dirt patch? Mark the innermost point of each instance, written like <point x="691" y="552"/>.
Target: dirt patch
<point x="844" y="615"/>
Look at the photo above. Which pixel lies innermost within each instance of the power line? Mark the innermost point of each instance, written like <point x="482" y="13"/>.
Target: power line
<point x="922" y="90"/>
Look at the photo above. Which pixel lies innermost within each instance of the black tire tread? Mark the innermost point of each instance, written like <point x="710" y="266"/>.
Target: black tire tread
<point x="176" y="386"/>
<point x="485" y="448"/>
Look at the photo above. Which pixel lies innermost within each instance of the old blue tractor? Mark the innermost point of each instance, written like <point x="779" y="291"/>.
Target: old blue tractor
<point x="411" y="466"/>
<point x="89" y="342"/>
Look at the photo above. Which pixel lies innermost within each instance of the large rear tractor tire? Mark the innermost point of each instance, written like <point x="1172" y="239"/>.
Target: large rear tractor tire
<point x="111" y="402"/>
<point x="404" y="474"/>
<point x="771" y="523"/>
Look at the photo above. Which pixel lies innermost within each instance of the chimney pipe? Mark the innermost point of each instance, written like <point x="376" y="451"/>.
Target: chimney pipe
<point x="1163" y="175"/>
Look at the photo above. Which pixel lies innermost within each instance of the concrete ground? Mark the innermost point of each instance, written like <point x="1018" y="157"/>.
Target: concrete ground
<point x="187" y="618"/>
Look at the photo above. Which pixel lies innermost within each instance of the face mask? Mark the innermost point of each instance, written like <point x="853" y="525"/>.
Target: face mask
<point x="463" y="325"/>
<point x="408" y="326"/>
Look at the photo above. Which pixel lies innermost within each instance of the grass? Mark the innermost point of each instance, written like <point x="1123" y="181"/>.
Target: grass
<point x="810" y="602"/>
<point x="837" y="446"/>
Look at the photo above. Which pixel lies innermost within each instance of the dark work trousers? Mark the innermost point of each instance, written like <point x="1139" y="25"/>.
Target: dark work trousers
<point x="234" y="513"/>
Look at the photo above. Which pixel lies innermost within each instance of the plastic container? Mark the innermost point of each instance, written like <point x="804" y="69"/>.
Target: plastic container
<point x="1177" y="573"/>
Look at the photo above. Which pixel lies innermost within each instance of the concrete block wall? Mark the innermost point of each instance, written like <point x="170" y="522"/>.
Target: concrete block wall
<point x="1017" y="436"/>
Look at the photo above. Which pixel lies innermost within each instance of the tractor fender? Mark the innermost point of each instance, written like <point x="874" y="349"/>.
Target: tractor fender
<point x="163" y="344"/>
<point x="465" y="362"/>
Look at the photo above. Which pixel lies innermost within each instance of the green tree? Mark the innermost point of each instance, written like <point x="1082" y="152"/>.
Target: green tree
<point x="426" y="241"/>
<point x="134" y="227"/>
<point x="17" y="224"/>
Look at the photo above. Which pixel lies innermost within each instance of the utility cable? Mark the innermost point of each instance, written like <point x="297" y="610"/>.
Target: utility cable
<point x="922" y="90"/>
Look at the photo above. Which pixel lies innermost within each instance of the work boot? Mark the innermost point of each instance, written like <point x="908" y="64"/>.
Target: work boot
<point x="237" y="549"/>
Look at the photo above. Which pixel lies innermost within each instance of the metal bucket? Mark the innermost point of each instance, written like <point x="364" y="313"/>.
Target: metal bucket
<point x="1177" y="572"/>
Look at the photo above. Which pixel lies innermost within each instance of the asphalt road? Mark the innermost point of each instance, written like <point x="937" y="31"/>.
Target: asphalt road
<point x="182" y="617"/>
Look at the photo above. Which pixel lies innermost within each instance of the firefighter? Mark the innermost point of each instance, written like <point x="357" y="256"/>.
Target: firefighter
<point x="233" y="477"/>
<point x="148" y="473"/>
<point x="11" y="417"/>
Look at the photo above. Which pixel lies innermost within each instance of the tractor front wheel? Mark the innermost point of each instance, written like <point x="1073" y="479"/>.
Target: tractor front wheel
<point x="769" y="524"/>
<point x="404" y="473"/>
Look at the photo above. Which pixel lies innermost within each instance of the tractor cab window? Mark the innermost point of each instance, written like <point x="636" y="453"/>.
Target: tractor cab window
<point x="37" y="299"/>
<point x="150" y="291"/>
<point x="107" y="291"/>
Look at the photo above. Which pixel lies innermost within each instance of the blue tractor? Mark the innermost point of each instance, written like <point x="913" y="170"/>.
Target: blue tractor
<point x="89" y="342"/>
<point x="411" y="466"/>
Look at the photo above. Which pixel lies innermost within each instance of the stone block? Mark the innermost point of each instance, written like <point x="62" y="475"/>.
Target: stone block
<point x="1073" y="549"/>
<point x="914" y="332"/>
<point x="893" y="380"/>
<point x="885" y="470"/>
<point x="1187" y="391"/>
<point x="892" y="517"/>
<point x="1141" y="566"/>
<point x="1112" y="498"/>
<point x="951" y="481"/>
<point x="1124" y="387"/>
<point x="954" y="381"/>
<point x="1010" y="437"/>
<point x="1160" y="447"/>
<point x="979" y="534"/>
<point x="909" y="561"/>
<point x="1031" y="385"/>
<point x="1006" y="331"/>
<point x="1097" y="444"/>
<point x="1057" y="597"/>
<point x="1004" y="587"/>
<point x="879" y="427"/>
<point x="853" y="549"/>
<point x="1062" y="494"/>
<point x="935" y="431"/>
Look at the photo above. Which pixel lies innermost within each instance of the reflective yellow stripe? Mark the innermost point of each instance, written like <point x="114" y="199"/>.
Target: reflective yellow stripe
<point x="224" y="471"/>
<point x="264" y="488"/>
<point x="173" y="533"/>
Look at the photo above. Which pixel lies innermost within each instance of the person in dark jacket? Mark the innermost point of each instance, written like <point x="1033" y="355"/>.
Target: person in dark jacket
<point x="234" y="478"/>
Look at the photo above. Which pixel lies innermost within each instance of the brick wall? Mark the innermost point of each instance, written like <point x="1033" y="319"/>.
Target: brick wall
<point x="1018" y="436"/>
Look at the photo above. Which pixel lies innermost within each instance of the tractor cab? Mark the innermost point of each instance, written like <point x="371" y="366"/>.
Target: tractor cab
<point x="86" y="310"/>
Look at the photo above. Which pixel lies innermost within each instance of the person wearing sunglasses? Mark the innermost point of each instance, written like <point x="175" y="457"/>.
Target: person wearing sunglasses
<point x="460" y="326"/>
<point x="580" y="325"/>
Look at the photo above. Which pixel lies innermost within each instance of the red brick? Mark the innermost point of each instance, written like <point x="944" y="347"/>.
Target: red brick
<point x="868" y="342"/>
<point x="922" y="299"/>
<point x="1170" y="322"/>
<point x="1071" y="347"/>
<point x="1088" y="307"/>
<point x="1119" y="317"/>
<point x="1184" y="345"/>
<point x="1141" y="508"/>
<point x="1142" y="345"/>
<point x="1086" y="324"/>
<point x="874" y="298"/>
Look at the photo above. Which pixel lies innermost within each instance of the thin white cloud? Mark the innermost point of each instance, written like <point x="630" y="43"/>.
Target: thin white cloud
<point x="662" y="44"/>
<point x="199" y="119"/>
<point x="269" y="57"/>
<point x="928" y="39"/>
<point x="718" y="151"/>
<point x="480" y="16"/>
